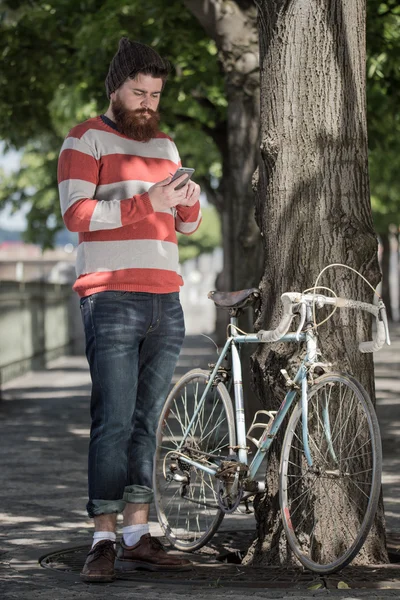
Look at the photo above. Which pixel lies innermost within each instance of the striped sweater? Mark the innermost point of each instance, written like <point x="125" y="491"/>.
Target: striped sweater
<point x="103" y="181"/>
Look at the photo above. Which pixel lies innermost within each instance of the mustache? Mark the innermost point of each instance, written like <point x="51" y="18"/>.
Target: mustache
<point x="143" y="111"/>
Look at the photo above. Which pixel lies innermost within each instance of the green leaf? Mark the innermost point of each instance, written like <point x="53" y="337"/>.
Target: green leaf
<point x="315" y="586"/>
<point x="55" y="59"/>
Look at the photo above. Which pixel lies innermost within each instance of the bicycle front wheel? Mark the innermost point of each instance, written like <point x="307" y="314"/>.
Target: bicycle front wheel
<point x="186" y="497"/>
<point x="328" y="507"/>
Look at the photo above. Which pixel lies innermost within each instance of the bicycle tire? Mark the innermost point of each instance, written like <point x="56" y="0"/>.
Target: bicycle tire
<point x="190" y="516"/>
<point x="328" y="509"/>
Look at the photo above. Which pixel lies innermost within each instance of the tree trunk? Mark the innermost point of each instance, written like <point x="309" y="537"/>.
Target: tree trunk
<point x="312" y="204"/>
<point x="233" y="26"/>
<point x="385" y="266"/>
<point x="394" y="230"/>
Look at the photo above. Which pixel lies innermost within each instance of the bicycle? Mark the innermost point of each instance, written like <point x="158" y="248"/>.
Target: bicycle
<point x="331" y="455"/>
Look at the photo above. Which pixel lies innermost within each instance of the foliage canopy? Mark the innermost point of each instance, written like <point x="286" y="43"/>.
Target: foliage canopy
<point x="55" y="55"/>
<point x="383" y="71"/>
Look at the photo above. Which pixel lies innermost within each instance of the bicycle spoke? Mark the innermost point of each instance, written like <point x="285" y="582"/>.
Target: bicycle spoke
<point x="369" y="441"/>
<point x="360" y="427"/>
<point x="358" y="487"/>
<point x="171" y="499"/>
<point x="360" y="472"/>
<point x="345" y="424"/>
<point x="305" y="495"/>
<point x="298" y="525"/>
<point x="188" y="511"/>
<point x="328" y="515"/>
<point x="337" y="512"/>
<point x="295" y="483"/>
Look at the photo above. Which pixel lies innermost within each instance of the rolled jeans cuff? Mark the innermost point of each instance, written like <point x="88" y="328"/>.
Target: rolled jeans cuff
<point x="104" y="507"/>
<point x="138" y="494"/>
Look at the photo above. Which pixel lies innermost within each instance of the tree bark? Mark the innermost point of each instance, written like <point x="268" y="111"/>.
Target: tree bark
<point x="312" y="205"/>
<point x="385" y="266"/>
<point x="233" y="26"/>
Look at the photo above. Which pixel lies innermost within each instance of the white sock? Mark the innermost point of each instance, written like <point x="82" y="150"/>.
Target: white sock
<point x="103" y="535"/>
<point x="133" y="533"/>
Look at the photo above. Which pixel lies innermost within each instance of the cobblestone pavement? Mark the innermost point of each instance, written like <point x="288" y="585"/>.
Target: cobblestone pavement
<point x="43" y="443"/>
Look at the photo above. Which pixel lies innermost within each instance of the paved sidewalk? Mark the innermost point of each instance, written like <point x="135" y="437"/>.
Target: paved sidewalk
<point x="44" y="431"/>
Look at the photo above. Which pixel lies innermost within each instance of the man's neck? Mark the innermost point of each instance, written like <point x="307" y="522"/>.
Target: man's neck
<point x="109" y="114"/>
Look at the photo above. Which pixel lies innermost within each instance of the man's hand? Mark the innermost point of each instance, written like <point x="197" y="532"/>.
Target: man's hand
<point x="163" y="194"/>
<point x="192" y="193"/>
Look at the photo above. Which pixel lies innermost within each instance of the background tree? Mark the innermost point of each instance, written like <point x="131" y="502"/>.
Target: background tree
<point x="384" y="169"/>
<point x="312" y="201"/>
<point x="55" y="59"/>
<point x="55" y="54"/>
<point x="61" y="55"/>
<point x="383" y="71"/>
<point x="233" y="27"/>
<point x="204" y="240"/>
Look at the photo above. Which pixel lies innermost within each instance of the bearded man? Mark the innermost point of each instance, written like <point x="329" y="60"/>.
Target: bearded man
<point x="115" y="190"/>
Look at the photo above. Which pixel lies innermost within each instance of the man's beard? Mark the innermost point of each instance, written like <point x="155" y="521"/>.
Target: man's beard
<point x="135" y="124"/>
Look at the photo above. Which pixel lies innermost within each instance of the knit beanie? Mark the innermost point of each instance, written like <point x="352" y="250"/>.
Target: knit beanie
<point x="133" y="58"/>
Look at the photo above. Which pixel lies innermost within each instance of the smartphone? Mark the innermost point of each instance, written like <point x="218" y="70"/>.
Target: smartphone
<point x="182" y="171"/>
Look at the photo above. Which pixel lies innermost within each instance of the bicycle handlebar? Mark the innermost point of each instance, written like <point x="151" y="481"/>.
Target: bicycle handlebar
<point x="292" y="300"/>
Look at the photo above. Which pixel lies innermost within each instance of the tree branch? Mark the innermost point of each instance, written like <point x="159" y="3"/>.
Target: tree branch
<point x="207" y="12"/>
<point x="229" y="23"/>
<point x="203" y="101"/>
<point x="213" y="196"/>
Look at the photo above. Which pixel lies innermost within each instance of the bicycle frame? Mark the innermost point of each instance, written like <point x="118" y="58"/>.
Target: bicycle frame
<point x="299" y="383"/>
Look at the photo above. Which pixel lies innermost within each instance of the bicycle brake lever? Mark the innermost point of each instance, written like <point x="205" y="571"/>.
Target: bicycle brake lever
<point x="383" y="318"/>
<point x="302" y="320"/>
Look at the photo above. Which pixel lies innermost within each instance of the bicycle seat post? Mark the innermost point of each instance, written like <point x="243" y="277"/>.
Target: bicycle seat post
<point x="234" y="322"/>
<point x="238" y="391"/>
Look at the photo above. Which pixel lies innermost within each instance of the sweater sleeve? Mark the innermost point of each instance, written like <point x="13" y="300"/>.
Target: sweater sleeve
<point x="188" y="218"/>
<point x="78" y="176"/>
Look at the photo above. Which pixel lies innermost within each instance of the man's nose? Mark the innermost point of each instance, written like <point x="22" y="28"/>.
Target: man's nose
<point x="145" y="102"/>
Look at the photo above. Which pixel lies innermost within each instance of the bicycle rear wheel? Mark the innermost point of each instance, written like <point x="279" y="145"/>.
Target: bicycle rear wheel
<point x="328" y="508"/>
<point x="186" y="496"/>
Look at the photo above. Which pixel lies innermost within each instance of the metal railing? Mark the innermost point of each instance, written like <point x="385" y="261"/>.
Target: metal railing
<point x="39" y="321"/>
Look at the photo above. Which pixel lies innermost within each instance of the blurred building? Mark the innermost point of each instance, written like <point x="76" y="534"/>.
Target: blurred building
<point x="27" y="262"/>
<point x="39" y="312"/>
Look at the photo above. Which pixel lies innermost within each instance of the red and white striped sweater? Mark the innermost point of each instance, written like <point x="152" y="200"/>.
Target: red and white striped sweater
<point x="103" y="180"/>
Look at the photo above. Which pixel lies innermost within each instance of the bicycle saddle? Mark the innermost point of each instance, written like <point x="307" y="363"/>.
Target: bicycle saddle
<point x="234" y="300"/>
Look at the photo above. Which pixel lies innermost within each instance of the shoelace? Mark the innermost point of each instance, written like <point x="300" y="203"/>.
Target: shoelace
<point x="106" y="550"/>
<point x="156" y="544"/>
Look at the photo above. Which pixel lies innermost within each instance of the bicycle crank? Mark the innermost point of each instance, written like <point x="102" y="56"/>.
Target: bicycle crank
<point x="229" y="497"/>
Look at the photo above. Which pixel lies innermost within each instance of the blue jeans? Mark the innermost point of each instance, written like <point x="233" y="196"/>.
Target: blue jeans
<point x="133" y="340"/>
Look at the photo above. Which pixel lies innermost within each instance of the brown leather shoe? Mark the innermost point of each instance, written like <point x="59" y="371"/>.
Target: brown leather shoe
<point x="148" y="554"/>
<point x="99" y="565"/>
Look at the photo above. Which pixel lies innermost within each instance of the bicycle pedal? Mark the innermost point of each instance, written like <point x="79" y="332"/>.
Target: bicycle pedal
<point x="184" y="479"/>
<point x="244" y="510"/>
